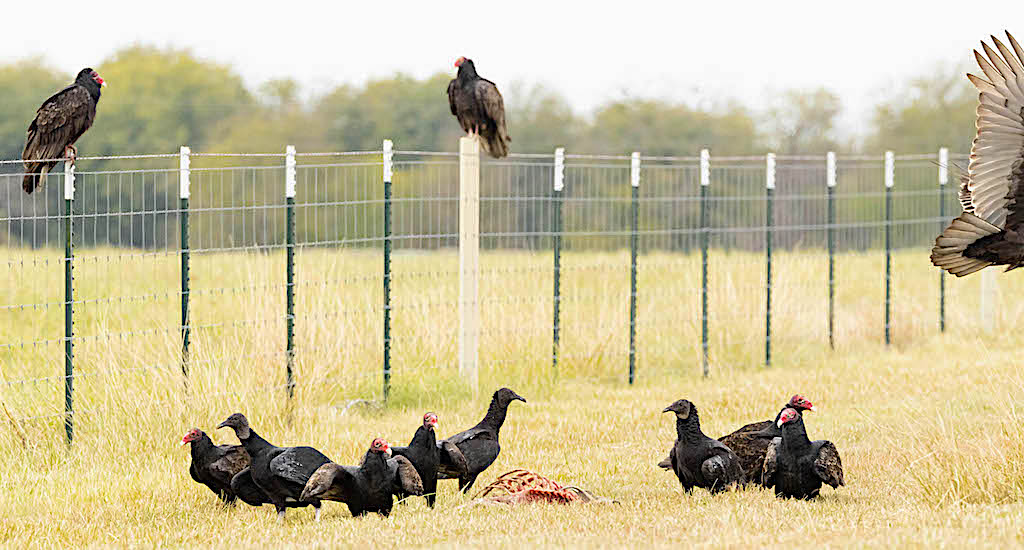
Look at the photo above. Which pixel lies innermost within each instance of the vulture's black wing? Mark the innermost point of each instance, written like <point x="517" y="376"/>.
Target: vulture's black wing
<point x="453" y="463"/>
<point x="493" y="105"/>
<point x="995" y="187"/>
<point x="451" y="98"/>
<point x="405" y="479"/>
<point x="297" y="464"/>
<point x="827" y="465"/>
<point x="59" y="122"/>
<point x="770" y="462"/>
<point x="246" y="489"/>
<point x="332" y="482"/>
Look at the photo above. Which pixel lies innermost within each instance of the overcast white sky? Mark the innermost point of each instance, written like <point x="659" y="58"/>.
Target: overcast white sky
<point x="700" y="53"/>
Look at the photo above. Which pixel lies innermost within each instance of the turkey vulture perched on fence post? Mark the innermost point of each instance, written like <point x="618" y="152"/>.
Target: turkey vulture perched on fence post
<point x="465" y="455"/>
<point x="215" y="465"/>
<point x="698" y="460"/>
<point x="368" y="487"/>
<point x="59" y="122"/>
<point x="479" y="107"/>
<point x="280" y="472"/>
<point x="991" y="229"/>
<point x="795" y="465"/>
<point x="424" y="455"/>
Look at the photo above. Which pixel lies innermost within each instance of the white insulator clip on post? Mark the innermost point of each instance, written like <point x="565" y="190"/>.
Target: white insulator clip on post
<point x="890" y="169"/>
<point x="705" y="167"/>
<point x="559" y="182"/>
<point x="289" y="172"/>
<point x="388" y="160"/>
<point x="769" y="171"/>
<point x="830" y="169"/>
<point x="943" y="166"/>
<point x="634" y="169"/>
<point x="69" y="181"/>
<point x="184" y="172"/>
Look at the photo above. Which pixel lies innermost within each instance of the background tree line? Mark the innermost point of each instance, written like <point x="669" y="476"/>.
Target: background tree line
<point x="160" y="99"/>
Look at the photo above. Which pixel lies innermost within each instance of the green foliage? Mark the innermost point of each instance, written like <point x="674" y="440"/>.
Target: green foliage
<point x="24" y="86"/>
<point x="803" y="121"/>
<point x="158" y="100"/>
<point x="932" y="111"/>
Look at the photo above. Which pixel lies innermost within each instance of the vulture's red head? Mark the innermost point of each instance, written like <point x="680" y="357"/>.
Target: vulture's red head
<point x="801" y="403"/>
<point x="195" y="434"/>
<point x="380" y="445"/>
<point x="430" y="421"/>
<point x="88" y="74"/>
<point x="788" y="416"/>
<point x="460" y="61"/>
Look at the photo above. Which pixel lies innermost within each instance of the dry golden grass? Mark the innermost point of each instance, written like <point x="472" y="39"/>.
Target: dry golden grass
<point x="929" y="429"/>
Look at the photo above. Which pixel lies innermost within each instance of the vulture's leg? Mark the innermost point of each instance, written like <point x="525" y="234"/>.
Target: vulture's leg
<point x="70" y="154"/>
<point x="465" y="483"/>
<point x="316" y="517"/>
<point x="280" y="513"/>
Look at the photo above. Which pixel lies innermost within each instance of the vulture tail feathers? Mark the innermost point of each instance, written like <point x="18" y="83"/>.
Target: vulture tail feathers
<point x="35" y="175"/>
<point x="948" y="252"/>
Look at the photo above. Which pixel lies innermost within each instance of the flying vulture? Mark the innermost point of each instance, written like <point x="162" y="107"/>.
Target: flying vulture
<point x="797" y="466"/>
<point x="368" y="487"/>
<point x="698" y="460"/>
<point x="59" y="122"/>
<point x="215" y="465"/>
<point x="424" y="455"/>
<point x="465" y="455"/>
<point x="990" y="232"/>
<point x="477" y="104"/>
<point x="279" y="472"/>
<point x="751" y="441"/>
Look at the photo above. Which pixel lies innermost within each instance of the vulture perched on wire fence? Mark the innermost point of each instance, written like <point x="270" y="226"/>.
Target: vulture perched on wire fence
<point x="479" y="107"/>
<point x="59" y="122"/>
<point x="990" y="232"/>
<point x="797" y="466"/>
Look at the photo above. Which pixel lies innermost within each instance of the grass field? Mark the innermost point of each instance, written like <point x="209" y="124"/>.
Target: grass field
<point x="929" y="429"/>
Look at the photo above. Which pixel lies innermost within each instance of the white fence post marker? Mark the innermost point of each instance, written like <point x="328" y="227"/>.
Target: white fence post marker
<point x="289" y="172"/>
<point x="830" y="169"/>
<point x="769" y="168"/>
<point x="943" y="166"/>
<point x="469" y="259"/>
<point x="634" y="169"/>
<point x="705" y="167"/>
<point x="388" y="160"/>
<point x="559" y="182"/>
<point x="890" y="168"/>
<point x="184" y="173"/>
<point x="69" y="181"/>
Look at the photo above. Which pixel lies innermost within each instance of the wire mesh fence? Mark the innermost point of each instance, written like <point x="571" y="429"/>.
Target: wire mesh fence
<point x="326" y="276"/>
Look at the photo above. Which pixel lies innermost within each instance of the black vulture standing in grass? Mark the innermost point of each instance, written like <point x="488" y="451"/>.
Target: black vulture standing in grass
<point x="465" y="455"/>
<point x="424" y="455"/>
<point x="797" y="466"/>
<point x="215" y="465"/>
<point x="368" y="487"/>
<point x="479" y="107"/>
<point x="58" y="124"/>
<point x="698" y="460"/>
<point x="990" y="232"/>
<point x="279" y="472"/>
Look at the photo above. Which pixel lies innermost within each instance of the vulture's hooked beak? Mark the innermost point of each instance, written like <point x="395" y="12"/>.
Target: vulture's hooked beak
<point x="223" y="425"/>
<point x="183" y="442"/>
<point x="813" y="409"/>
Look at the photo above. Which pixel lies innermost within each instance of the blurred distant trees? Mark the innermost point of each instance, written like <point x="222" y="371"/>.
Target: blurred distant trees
<point x="159" y="99"/>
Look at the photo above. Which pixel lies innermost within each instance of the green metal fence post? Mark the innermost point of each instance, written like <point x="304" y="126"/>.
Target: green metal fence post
<point x="943" y="180"/>
<point x="69" y="303"/>
<point x="890" y="166"/>
<point x="705" y="181"/>
<point x="558" y="186"/>
<point x="769" y="189"/>
<point x="184" y="192"/>
<point x="830" y="184"/>
<point x="289" y="214"/>
<point x="388" y="173"/>
<point x="634" y="181"/>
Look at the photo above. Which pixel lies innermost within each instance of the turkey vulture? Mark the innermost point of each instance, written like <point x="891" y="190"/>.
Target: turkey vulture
<point x="465" y="455"/>
<point x="990" y="232"/>
<point x="368" y="487"/>
<point x="477" y="104"/>
<point x="795" y="465"/>
<point x="59" y="122"/>
<point x="698" y="460"/>
<point x="424" y="455"/>
<point x="279" y="472"/>
<point x="751" y="441"/>
<point x="215" y="465"/>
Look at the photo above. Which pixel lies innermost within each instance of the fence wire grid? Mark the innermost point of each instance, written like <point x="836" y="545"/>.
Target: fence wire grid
<point x="629" y="267"/>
